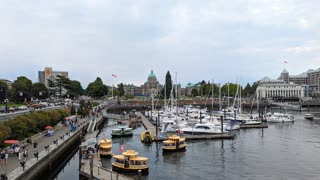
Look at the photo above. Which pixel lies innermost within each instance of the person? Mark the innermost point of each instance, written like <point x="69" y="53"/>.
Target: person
<point x="35" y="144"/>
<point x="2" y="158"/>
<point x="6" y="157"/>
<point x="25" y="155"/>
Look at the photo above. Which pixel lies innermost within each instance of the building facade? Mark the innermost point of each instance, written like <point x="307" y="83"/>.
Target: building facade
<point x="151" y="86"/>
<point x="309" y="79"/>
<point x="48" y="74"/>
<point x="271" y="89"/>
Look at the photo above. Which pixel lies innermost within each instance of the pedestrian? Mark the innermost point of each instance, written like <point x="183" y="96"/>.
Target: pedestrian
<point x="16" y="150"/>
<point x="2" y="158"/>
<point x="35" y="144"/>
<point x="21" y="151"/>
<point x="25" y="155"/>
<point x="6" y="157"/>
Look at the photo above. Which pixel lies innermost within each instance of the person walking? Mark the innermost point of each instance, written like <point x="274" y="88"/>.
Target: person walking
<point x="35" y="144"/>
<point x="2" y="158"/>
<point x="21" y="151"/>
<point x="6" y="158"/>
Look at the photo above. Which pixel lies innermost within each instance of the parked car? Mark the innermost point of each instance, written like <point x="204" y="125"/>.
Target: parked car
<point x="22" y="107"/>
<point x="2" y="109"/>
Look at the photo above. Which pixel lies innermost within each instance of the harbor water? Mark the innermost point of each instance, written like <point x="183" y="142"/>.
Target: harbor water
<point x="281" y="151"/>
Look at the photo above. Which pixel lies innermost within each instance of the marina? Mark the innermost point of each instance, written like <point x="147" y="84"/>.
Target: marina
<point x="232" y="159"/>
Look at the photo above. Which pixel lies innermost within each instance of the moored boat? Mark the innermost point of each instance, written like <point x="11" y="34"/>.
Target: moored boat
<point x="173" y="144"/>
<point x="147" y="137"/>
<point x="121" y="131"/>
<point x="105" y="146"/>
<point x="130" y="163"/>
<point x="280" y="117"/>
<point x="308" y="116"/>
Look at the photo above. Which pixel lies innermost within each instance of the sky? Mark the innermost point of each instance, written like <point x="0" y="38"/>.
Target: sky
<point x="224" y="41"/>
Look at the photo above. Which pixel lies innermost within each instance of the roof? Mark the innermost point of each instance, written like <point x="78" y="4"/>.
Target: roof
<point x="130" y="153"/>
<point x="285" y="72"/>
<point x="152" y="75"/>
<point x="131" y="159"/>
<point x="106" y="145"/>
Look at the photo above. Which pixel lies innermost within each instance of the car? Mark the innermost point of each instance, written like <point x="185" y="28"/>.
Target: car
<point x="2" y="109"/>
<point x="22" y="107"/>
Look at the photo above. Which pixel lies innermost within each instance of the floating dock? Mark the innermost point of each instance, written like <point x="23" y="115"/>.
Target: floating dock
<point x="250" y="126"/>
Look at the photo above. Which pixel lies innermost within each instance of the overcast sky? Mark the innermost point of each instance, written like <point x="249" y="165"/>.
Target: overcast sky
<point x="200" y="40"/>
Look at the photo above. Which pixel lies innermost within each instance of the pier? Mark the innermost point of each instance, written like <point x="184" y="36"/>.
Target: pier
<point x="250" y="126"/>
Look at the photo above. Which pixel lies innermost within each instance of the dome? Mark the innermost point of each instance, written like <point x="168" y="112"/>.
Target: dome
<point x="151" y="75"/>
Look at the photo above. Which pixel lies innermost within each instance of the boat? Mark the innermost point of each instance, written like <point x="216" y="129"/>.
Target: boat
<point x="280" y="117"/>
<point x="308" y="116"/>
<point x="105" y="146"/>
<point x="121" y="131"/>
<point x="174" y="144"/>
<point x="207" y="128"/>
<point x="147" y="137"/>
<point x="130" y="163"/>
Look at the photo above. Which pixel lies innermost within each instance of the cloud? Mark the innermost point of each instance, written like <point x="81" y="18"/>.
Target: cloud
<point x="197" y="39"/>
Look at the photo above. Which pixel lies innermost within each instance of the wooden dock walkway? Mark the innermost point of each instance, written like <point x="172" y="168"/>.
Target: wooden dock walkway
<point x="148" y="125"/>
<point x="99" y="172"/>
<point x="249" y="126"/>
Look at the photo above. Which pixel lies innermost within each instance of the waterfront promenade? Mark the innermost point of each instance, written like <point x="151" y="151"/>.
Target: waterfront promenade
<point x="13" y="169"/>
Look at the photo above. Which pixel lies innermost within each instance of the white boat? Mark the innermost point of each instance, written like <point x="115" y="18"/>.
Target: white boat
<point x="198" y="128"/>
<point x="280" y="117"/>
<point x="308" y="116"/>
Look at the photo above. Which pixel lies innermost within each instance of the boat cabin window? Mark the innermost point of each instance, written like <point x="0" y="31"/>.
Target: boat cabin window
<point x="119" y="161"/>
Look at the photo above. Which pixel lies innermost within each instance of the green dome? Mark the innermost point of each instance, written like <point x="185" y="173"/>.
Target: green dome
<point x="151" y="75"/>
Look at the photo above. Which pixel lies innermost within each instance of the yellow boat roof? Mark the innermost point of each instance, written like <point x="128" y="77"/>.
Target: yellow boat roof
<point x="130" y="153"/>
<point x="106" y="145"/>
<point x="105" y="141"/>
<point x="122" y="157"/>
<point x="174" y="136"/>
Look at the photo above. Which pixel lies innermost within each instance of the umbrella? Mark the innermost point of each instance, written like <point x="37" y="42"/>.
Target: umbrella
<point x="48" y="127"/>
<point x="11" y="141"/>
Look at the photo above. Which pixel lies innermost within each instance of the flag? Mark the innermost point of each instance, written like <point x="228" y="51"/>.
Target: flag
<point x="122" y="148"/>
<point x="180" y="131"/>
<point x="285" y="62"/>
<point x="114" y="75"/>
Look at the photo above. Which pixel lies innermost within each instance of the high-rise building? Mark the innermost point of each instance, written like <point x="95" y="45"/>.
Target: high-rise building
<point x="48" y="74"/>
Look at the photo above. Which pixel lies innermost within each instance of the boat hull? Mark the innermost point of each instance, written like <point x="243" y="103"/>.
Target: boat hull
<point x="309" y="118"/>
<point x="200" y="133"/>
<point x="144" y="171"/>
<point x="121" y="135"/>
<point x="181" y="149"/>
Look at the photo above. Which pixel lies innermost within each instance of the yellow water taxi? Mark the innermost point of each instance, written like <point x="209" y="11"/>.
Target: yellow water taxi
<point x="105" y="146"/>
<point x="130" y="163"/>
<point x="173" y="144"/>
<point x="147" y="137"/>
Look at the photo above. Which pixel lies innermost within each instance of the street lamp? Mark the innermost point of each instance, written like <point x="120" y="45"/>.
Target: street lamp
<point x="6" y="101"/>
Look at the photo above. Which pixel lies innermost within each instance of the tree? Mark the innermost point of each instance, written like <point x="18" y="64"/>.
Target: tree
<point x="121" y="89"/>
<point x="39" y="91"/>
<point x="58" y="85"/>
<point x="254" y="87"/>
<point x="168" y="86"/>
<point x="194" y="92"/>
<point x="97" y="88"/>
<point x="3" y="91"/>
<point x="75" y="89"/>
<point x="21" y="89"/>
<point x="247" y="91"/>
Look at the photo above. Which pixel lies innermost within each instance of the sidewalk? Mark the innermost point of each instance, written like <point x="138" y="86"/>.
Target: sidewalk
<point x="13" y="162"/>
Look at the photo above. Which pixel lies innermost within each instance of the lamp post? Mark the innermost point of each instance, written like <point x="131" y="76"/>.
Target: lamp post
<point x="6" y="101"/>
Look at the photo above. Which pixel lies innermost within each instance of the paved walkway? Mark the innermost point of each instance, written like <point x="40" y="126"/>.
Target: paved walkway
<point x="13" y="162"/>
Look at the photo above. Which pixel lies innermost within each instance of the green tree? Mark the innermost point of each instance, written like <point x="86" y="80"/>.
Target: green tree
<point x="247" y="91"/>
<point x="21" y="89"/>
<point x="39" y="91"/>
<point x="254" y="87"/>
<point x="58" y="85"/>
<point x="3" y="91"/>
<point x="75" y="89"/>
<point x="194" y="92"/>
<point x="97" y="88"/>
<point x="167" y="86"/>
<point x="121" y="89"/>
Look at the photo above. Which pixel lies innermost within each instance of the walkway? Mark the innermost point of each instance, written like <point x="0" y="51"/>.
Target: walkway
<point x="13" y="166"/>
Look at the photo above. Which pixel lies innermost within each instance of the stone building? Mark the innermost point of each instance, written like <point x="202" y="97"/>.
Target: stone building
<point x="271" y="89"/>
<point x="151" y="86"/>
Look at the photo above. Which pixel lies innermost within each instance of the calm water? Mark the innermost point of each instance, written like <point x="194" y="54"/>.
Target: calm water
<point x="282" y="151"/>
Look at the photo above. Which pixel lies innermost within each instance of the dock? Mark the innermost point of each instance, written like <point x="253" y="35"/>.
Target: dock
<point x="98" y="172"/>
<point x="250" y="126"/>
